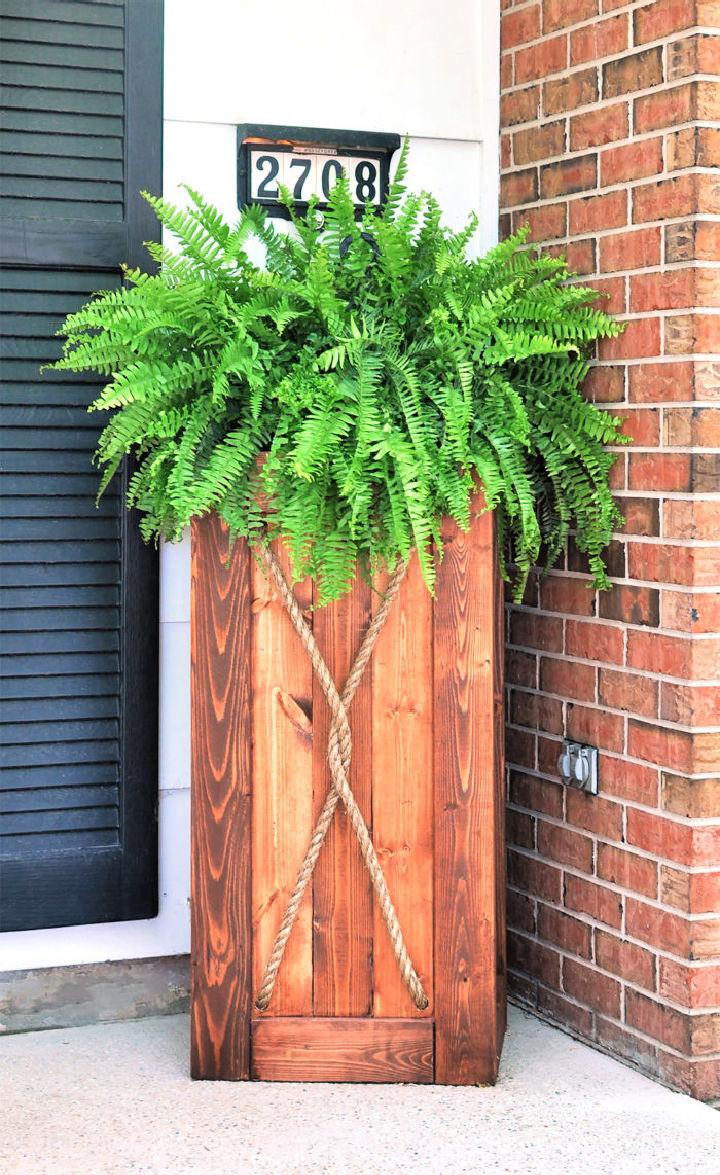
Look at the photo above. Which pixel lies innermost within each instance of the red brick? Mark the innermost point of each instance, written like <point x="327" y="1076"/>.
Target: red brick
<point x="599" y="40"/>
<point x="604" y="385"/>
<point x="626" y="959"/>
<point x="661" y="745"/>
<point x="597" y="127"/>
<point x="691" y="705"/>
<point x="536" y="711"/>
<point x="632" y="161"/>
<point x="520" y="911"/>
<point x="540" y="795"/>
<point x="700" y="1078"/>
<point x="660" y="563"/>
<point x="664" y="17"/>
<point x="660" y="471"/>
<point x="570" y="679"/>
<point x="696" y="893"/>
<point x="594" y="814"/>
<point x="563" y="1011"/>
<point x="640" y="338"/>
<point x="519" y="106"/>
<point x="694" y="427"/>
<point x="633" y="692"/>
<point x="591" y="988"/>
<point x="521" y="668"/>
<point x="570" y="92"/>
<point x="642" y="516"/>
<point x="612" y="293"/>
<point x="577" y="174"/>
<point x="590" y="213"/>
<point x="689" y="986"/>
<point x="672" y="655"/>
<point x="691" y="519"/>
<point x="539" y="142"/>
<point x="697" y="53"/>
<point x="519" y="187"/>
<point x="630" y="250"/>
<point x="629" y="870"/>
<point x="518" y="27"/>
<point x="548" y="753"/>
<point x="663" y="291"/>
<point x="691" y="612"/>
<point x="673" y="840"/>
<point x="536" y="632"/>
<point x="595" y="726"/>
<point x="540" y="60"/>
<point x="564" y="931"/>
<point x="546" y="222"/>
<point x="629" y="781"/>
<point x="642" y="425"/>
<point x="520" y="829"/>
<point x="564" y="846"/>
<point x="587" y="898"/>
<point x="536" y="877"/>
<point x="598" y="642"/>
<point x="658" y="928"/>
<point x="525" y="954"/>
<point x="661" y="382"/>
<point x="558" y="14"/>
<point x="653" y="1019"/>
<point x="637" y="71"/>
<point x="631" y="604"/>
<point x="506" y="71"/>
<point x="627" y="1045"/>
<point x="575" y="596"/>
<point x="665" y="199"/>
<point x="520" y="747"/>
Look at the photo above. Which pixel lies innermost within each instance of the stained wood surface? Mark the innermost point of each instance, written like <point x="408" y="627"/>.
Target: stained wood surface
<point x="466" y="800"/>
<point x="402" y="774"/>
<point x="342" y="1049"/>
<point x="221" y="786"/>
<point x="342" y="909"/>
<point x="282" y="816"/>
<point x="427" y="771"/>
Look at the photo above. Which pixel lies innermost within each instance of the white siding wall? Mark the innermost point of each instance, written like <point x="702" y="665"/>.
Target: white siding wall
<point x="409" y="66"/>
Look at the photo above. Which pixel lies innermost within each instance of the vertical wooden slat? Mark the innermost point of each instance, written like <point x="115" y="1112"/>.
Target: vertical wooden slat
<point x="500" y="865"/>
<point x="342" y="911"/>
<point x="403" y="789"/>
<point x="282" y="788"/>
<point x="466" y="799"/>
<point x="221" y="787"/>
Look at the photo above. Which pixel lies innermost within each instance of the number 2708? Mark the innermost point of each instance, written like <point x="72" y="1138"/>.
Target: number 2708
<point x="307" y="175"/>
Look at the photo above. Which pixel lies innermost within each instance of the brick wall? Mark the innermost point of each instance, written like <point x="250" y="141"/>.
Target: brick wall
<point x="610" y="134"/>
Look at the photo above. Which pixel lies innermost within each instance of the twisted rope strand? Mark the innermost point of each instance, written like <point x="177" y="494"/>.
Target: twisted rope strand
<point x="339" y="756"/>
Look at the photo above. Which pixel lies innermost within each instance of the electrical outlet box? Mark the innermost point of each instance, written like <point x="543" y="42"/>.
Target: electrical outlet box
<point x="578" y="766"/>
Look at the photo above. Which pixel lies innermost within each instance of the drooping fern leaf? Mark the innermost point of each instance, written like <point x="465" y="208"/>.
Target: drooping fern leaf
<point x="346" y="399"/>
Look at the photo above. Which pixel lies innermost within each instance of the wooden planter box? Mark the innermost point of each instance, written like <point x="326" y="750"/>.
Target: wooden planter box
<point x="427" y="771"/>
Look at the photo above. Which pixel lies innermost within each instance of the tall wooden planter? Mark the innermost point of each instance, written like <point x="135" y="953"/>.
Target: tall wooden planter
<point x="427" y="770"/>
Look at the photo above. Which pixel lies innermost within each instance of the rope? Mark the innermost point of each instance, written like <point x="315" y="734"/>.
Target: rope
<point x="339" y="755"/>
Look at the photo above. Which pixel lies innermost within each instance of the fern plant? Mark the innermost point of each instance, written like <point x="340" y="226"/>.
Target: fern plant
<point x="345" y="392"/>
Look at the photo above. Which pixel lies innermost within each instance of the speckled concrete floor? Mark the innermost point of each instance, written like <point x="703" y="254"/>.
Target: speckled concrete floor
<point x="116" y="1097"/>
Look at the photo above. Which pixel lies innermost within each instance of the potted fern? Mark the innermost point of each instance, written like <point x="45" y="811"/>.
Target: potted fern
<point x="332" y="396"/>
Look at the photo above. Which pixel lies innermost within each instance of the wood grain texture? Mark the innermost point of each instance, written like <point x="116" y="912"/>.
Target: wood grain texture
<point x="342" y="1049"/>
<point x="402" y="770"/>
<point x="500" y="859"/>
<point x="282" y="788"/>
<point x="466" y="800"/>
<point x="221" y="786"/>
<point x="342" y="900"/>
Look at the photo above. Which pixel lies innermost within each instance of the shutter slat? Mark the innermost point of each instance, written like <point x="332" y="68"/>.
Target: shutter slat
<point x="54" y="574"/>
<point x="64" y="685"/>
<point x="68" y="641"/>
<point x="43" y="145"/>
<point x="60" y="10"/>
<point x="60" y="754"/>
<point x="46" y="597"/>
<point x="43" y="619"/>
<point x="57" y="798"/>
<point x="64" y="730"/>
<point x="36" y="53"/>
<point x="41" y="709"/>
<point x="59" y="33"/>
<point x="74" y="774"/>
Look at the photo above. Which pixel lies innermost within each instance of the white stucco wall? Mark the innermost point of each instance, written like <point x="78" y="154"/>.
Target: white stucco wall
<point x="419" y="67"/>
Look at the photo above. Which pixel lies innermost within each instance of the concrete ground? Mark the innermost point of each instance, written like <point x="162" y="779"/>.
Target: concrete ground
<point x="114" y="1098"/>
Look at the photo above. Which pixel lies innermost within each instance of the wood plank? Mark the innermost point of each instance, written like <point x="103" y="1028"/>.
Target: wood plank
<point x="466" y="799"/>
<point x="403" y="790"/>
<point x="282" y="789"/>
<point x="342" y="898"/>
<point x="221" y="784"/>
<point x="500" y="858"/>
<point x="342" y="1049"/>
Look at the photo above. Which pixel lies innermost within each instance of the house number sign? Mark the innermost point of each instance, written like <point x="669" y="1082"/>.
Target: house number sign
<point x="308" y="162"/>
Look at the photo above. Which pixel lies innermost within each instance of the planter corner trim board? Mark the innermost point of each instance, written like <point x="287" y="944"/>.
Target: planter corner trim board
<point x="427" y="773"/>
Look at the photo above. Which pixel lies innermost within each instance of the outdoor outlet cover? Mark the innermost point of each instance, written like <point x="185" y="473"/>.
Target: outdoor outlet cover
<point x="578" y="765"/>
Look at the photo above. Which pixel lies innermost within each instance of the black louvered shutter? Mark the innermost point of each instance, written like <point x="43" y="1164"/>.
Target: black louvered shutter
<point x="81" y="133"/>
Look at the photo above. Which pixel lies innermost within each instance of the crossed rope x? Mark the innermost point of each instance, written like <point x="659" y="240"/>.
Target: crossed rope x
<point x="339" y="756"/>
